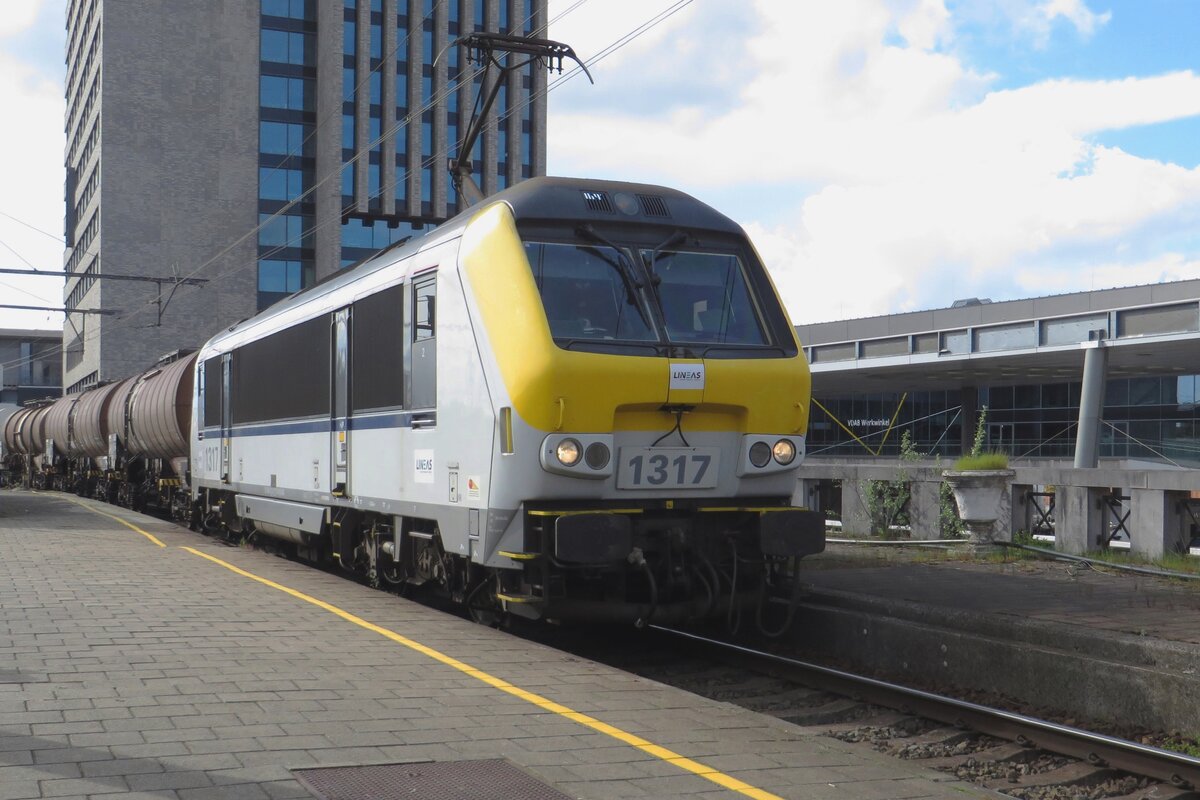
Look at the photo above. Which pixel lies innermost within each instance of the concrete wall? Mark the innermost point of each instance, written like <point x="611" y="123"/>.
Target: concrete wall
<point x="1158" y="522"/>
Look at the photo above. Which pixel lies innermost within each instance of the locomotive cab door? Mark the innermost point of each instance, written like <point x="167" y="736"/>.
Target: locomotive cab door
<point x="339" y="433"/>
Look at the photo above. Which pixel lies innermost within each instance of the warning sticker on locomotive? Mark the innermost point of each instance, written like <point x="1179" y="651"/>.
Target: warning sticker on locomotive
<point x="687" y="376"/>
<point x="423" y="466"/>
<point x="668" y="468"/>
<point x="473" y="487"/>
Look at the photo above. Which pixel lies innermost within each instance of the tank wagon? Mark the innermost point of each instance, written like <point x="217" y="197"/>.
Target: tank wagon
<point x="122" y="442"/>
<point x="10" y="460"/>
<point x="578" y="400"/>
<point x="22" y="455"/>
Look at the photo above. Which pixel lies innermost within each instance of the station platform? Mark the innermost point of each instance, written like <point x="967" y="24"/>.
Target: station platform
<point x="138" y="659"/>
<point x="1093" y="642"/>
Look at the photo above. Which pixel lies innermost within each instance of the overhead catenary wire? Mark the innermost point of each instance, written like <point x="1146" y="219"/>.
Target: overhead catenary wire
<point x="908" y="424"/>
<point x="58" y="239"/>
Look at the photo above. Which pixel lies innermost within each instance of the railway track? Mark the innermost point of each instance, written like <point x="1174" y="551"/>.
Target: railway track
<point x="1001" y="750"/>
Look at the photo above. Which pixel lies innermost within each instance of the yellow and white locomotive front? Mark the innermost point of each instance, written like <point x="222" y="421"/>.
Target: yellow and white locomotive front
<point x="651" y="403"/>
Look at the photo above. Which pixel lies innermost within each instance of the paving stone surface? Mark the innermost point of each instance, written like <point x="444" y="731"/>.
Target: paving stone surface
<point x="137" y="671"/>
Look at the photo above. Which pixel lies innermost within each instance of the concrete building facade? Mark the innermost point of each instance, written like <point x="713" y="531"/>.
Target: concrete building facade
<point x="260" y="145"/>
<point x="30" y="365"/>
<point x="930" y="372"/>
<point x="1094" y="396"/>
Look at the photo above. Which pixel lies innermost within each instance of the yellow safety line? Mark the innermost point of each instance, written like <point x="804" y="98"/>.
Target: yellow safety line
<point x="695" y="767"/>
<point x="127" y="524"/>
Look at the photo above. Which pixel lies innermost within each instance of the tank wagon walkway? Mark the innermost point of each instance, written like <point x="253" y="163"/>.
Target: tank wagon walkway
<point x="151" y="662"/>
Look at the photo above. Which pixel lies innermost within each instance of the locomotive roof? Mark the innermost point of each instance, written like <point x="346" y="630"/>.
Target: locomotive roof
<point x="545" y="199"/>
<point x="590" y="200"/>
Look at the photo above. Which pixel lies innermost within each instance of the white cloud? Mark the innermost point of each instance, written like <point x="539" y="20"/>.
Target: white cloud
<point x="18" y="16"/>
<point x="1076" y="12"/>
<point x="1167" y="267"/>
<point x="920" y="184"/>
<point x="924" y="24"/>
<point x="31" y="155"/>
<point x="1032" y="21"/>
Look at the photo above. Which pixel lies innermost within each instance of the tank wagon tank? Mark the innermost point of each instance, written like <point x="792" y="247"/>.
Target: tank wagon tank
<point x="59" y="461"/>
<point x="123" y="442"/>
<point x="148" y="420"/>
<point x="32" y="443"/>
<point x="10" y="460"/>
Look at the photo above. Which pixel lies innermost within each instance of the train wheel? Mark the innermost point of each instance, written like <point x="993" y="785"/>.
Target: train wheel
<point x="483" y="605"/>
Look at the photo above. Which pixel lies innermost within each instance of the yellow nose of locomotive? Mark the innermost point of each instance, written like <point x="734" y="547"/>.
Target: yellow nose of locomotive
<point x="556" y="389"/>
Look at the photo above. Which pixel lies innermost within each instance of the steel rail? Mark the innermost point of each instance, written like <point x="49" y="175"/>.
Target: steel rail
<point x="1097" y="749"/>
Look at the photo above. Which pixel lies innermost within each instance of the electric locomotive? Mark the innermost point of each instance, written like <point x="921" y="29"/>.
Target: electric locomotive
<point x="577" y="400"/>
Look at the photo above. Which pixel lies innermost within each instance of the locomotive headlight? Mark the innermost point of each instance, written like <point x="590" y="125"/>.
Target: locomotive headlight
<point x="568" y="452"/>
<point x="760" y="454"/>
<point x="784" y="452"/>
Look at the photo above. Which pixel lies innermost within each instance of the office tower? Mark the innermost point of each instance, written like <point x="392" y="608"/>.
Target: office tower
<point x="259" y="145"/>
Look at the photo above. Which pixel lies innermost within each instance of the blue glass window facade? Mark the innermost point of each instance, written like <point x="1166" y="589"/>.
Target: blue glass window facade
<point x="362" y="239"/>
<point x="287" y="121"/>
<point x="394" y="147"/>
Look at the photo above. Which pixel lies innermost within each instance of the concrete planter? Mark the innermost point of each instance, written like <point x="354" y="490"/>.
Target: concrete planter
<point x="977" y="494"/>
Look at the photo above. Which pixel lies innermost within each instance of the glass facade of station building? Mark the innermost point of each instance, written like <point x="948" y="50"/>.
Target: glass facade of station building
<point x="1152" y="418"/>
<point x="1023" y="361"/>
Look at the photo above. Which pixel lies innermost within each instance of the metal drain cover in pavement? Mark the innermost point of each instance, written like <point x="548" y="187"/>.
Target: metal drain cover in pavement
<point x="432" y="780"/>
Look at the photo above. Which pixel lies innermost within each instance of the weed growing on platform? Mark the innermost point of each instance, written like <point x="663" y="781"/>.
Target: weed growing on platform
<point x="887" y="501"/>
<point x="977" y="459"/>
<point x="950" y="525"/>
<point x="1171" y="562"/>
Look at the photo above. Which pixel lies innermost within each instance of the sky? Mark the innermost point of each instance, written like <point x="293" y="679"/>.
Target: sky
<point x="883" y="155"/>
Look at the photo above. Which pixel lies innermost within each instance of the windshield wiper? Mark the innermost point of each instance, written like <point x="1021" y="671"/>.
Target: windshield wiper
<point x="621" y="265"/>
<point x="672" y="240"/>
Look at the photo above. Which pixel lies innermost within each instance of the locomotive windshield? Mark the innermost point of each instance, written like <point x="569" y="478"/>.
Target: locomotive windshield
<point x="703" y="298"/>
<point x="588" y="292"/>
<point x="604" y="296"/>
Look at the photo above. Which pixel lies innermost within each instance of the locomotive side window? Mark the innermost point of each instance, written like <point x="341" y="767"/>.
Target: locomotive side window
<point x="588" y="292"/>
<point x="375" y="347"/>
<point x="424" y="309"/>
<point x="210" y="385"/>
<point x="423" y="355"/>
<point x="704" y="298"/>
<point x="283" y="376"/>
